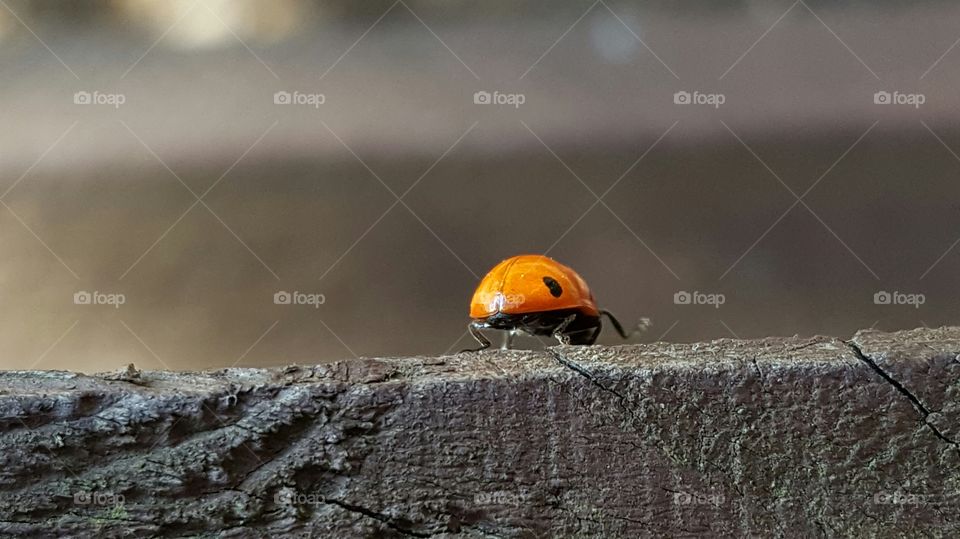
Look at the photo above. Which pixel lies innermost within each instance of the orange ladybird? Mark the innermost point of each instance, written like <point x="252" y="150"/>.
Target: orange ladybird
<point x="536" y="295"/>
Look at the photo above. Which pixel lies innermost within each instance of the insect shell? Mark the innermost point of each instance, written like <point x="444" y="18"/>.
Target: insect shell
<point x="536" y="295"/>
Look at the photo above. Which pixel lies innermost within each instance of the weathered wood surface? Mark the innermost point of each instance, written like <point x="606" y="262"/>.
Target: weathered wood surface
<point x="775" y="437"/>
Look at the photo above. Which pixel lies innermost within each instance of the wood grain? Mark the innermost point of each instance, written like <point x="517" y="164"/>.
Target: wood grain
<point x="774" y="437"/>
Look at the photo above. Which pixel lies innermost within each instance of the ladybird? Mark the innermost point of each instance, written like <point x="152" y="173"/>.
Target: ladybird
<point x="536" y="295"/>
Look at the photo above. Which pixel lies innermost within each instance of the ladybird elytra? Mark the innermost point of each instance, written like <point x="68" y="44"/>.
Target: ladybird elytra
<point x="528" y="284"/>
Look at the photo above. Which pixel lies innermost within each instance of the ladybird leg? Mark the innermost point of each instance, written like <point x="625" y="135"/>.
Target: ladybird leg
<point x="474" y="328"/>
<point x="558" y="332"/>
<point x="596" y="333"/>
<point x="508" y="337"/>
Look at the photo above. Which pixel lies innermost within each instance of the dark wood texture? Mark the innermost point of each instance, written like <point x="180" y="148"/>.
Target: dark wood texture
<point x="775" y="437"/>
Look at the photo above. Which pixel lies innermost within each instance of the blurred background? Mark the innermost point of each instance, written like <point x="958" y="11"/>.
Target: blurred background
<point x="752" y="169"/>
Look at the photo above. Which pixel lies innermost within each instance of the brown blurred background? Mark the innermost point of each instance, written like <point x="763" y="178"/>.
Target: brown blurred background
<point x="100" y="197"/>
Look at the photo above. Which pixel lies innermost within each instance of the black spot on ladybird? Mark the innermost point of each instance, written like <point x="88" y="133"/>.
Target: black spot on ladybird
<point x="555" y="289"/>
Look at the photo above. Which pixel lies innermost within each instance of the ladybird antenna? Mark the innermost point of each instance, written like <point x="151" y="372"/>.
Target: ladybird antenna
<point x="641" y="326"/>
